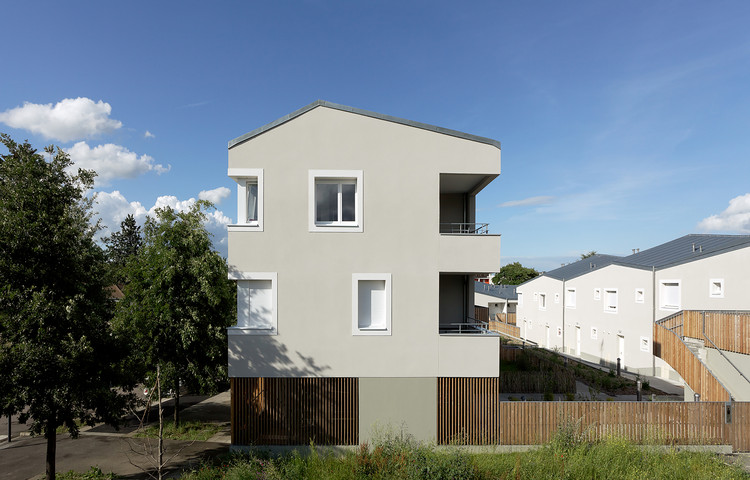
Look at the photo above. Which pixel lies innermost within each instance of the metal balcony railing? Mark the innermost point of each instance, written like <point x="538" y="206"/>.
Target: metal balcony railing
<point x="470" y="327"/>
<point x="465" y="228"/>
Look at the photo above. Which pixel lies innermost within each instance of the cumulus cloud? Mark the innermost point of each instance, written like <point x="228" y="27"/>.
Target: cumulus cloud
<point x="216" y="195"/>
<point x="540" y="200"/>
<point x="112" y="161"/>
<point x="736" y="217"/>
<point x="69" y="119"/>
<point x="149" y="134"/>
<point x="113" y="207"/>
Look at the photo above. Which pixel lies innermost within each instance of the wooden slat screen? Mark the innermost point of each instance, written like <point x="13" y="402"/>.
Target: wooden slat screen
<point x="481" y="313"/>
<point x="295" y="411"/>
<point x="669" y="347"/>
<point x="729" y="331"/>
<point x="468" y="410"/>
<point x="498" y="324"/>
<point x="468" y="414"/>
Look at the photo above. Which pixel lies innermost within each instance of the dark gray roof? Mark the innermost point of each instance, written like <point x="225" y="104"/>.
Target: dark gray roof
<point x="344" y="108"/>
<point x="580" y="267"/>
<point x="507" y="292"/>
<point x="685" y="249"/>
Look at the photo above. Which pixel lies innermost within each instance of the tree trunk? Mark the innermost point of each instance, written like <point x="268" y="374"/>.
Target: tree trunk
<point x="160" y="463"/>
<point x="51" y="434"/>
<point x="177" y="404"/>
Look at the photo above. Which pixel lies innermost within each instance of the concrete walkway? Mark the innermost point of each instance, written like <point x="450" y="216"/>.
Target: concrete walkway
<point x="116" y="451"/>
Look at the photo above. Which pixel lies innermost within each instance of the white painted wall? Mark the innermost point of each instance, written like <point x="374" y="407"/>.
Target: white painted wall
<point x="533" y="320"/>
<point x="401" y="169"/>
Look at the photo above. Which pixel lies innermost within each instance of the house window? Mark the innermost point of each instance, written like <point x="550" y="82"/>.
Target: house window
<point x="640" y="295"/>
<point x="594" y="333"/>
<point x="371" y="304"/>
<point x="520" y="299"/>
<point x="597" y="294"/>
<point x="335" y="200"/>
<point x="610" y="300"/>
<point x="559" y="331"/>
<point x="256" y="304"/>
<point x="249" y="198"/>
<point x="644" y="344"/>
<point x="716" y="288"/>
<point x="570" y="298"/>
<point x="557" y="298"/>
<point x="669" y="295"/>
<point x="542" y="301"/>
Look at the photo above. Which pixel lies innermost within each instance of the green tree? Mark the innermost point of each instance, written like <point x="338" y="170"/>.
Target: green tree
<point x="58" y="358"/>
<point x="514" y="274"/>
<point x="588" y="254"/>
<point x="121" y="246"/>
<point x="178" y="303"/>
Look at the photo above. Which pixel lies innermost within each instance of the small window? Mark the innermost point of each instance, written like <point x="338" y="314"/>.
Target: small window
<point x="594" y="333"/>
<point x="716" y="288"/>
<point x="542" y="301"/>
<point x="536" y="297"/>
<point x="557" y="298"/>
<point x="249" y="198"/>
<point x="371" y="304"/>
<point x="669" y="295"/>
<point x="610" y="300"/>
<point x="335" y="200"/>
<point x="570" y="298"/>
<point x="597" y="294"/>
<point x="520" y="299"/>
<point x="640" y="295"/>
<point x="645" y="344"/>
<point x="256" y="304"/>
<point x="530" y="324"/>
<point x="559" y="331"/>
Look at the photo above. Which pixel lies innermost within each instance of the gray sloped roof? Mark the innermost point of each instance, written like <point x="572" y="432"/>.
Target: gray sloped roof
<point x="685" y="249"/>
<point x="507" y="292"/>
<point x="575" y="269"/>
<point x="366" y="113"/>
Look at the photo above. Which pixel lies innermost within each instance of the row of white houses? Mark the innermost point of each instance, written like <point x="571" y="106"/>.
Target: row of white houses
<point x="604" y="307"/>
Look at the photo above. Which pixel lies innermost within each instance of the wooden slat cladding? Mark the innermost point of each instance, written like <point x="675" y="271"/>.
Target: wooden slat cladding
<point x="481" y="313"/>
<point x="468" y="410"/>
<point x="295" y="411"/>
<point x="461" y="421"/>
<point x="670" y="347"/>
<point x="727" y="330"/>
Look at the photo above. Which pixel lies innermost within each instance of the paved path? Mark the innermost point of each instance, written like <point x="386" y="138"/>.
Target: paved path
<point x="111" y="450"/>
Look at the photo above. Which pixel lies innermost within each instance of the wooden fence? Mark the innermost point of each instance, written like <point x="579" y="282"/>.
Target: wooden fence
<point x="468" y="413"/>
<point x="509" y="318"/>
<point x="669" y="346"/>
<point x="294" y="411"/>
<point x="498" y="324"/>
<point x="481" y="313"/>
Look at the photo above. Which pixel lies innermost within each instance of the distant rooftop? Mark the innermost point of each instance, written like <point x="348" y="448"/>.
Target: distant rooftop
<point x="685" y="249"/>
<point x="366" y="113"/>
<point x="575" y="269"/>
<point x="507" y="292"/>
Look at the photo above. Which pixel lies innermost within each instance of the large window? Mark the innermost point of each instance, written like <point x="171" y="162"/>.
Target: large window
<point x="256" y="304"/>
<point x="335" y="200"/>
<point x="371" y="304"/>
<point x="669" y="295"/>
<point x="249" y="198"/>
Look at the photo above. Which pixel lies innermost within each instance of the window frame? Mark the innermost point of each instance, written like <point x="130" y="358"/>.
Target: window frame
<point x="542" y="301"/>
<point x="720" y="293"/>
<point x="568" y="291"/>
<point x="336" y="176"/>
<point x="249" y="330"/>
<point x="242" y="176"/>
<point x="356" y="278"/>
<point x="640" y="295"/>
<point x="605" y="304"/>
<point x="662" y="285"/>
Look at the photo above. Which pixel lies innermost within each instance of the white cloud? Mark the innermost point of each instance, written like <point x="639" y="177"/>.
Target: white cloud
<point x="540" y="200"/>
<point x="149" y="134"/>
<point x="112" y="161"/>
<point x="736" y="217"/>
<point x="69" y="119"/>
<point x="114" y="207"/>
<point x="216" y="195"/>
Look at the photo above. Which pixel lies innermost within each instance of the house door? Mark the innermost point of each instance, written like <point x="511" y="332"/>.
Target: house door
<point x="621" y="350"/>
<point x="578" y="341"/>
<point x="548" y="343"/>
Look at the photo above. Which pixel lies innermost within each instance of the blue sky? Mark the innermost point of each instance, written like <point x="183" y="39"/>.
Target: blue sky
<point x="623" y="124"/>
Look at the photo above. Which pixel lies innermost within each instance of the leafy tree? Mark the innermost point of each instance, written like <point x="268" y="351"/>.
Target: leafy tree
<point x="514" y="274"/>
<point x="122" y="246"/>
<point x="178" y="303"/>
<point x="58" y="358"/>
<point x="588" y="254"/>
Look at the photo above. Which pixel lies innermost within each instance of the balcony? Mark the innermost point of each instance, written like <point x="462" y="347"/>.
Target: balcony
<point x="464" y="228"/>
<point x="469" y="253"/>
